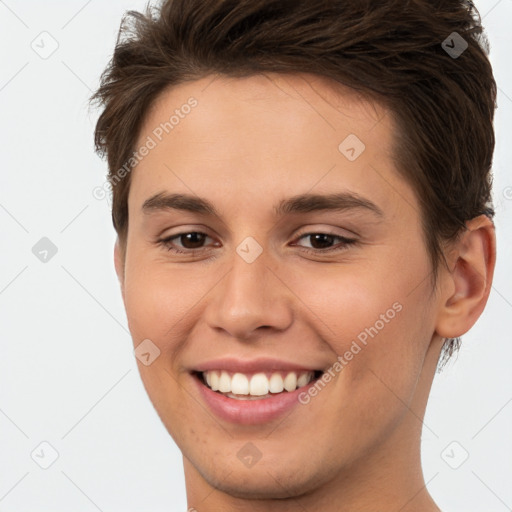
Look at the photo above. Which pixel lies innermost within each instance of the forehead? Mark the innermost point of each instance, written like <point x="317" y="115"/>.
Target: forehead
<point x="323" y="102"/>
<point x="264" y="134"/>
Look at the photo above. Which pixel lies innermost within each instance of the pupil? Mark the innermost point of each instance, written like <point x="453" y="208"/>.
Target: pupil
<point x="325" y="240"/>
<point x="194" y="239"/>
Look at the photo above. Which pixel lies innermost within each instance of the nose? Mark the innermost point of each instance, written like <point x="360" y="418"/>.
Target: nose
<point x="252" y="299"/>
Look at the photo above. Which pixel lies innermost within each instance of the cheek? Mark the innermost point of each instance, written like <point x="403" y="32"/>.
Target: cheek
<point x="158" y="300"/>
<point x="346" y="304"/>
<point x="379" y="331"/>
<point x="158" y="303"/>
<point x="377" y="321"/>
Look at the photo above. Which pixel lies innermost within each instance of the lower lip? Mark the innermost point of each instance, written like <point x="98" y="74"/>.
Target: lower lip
<point x="250" y="412"/>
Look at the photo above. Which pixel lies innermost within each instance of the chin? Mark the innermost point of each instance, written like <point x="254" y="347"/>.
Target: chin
<point x="257" y="487"/>
<point x="270" y="481"/>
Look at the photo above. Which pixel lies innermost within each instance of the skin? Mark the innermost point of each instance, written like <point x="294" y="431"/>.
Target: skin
<point x="248" y="144"/>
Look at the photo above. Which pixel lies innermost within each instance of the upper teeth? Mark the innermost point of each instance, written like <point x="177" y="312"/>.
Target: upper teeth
<point x="257" y="384"/>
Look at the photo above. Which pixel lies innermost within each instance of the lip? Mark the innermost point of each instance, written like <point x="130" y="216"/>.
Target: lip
<point x="252" y="366"/>
<point x="249" y="412"/>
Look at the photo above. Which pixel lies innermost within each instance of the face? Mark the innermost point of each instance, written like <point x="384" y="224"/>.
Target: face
<point x="296" y="260"/>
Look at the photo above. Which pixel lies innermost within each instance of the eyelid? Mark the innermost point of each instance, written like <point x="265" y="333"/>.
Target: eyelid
<point x="347" y="233"/>
<point x="169" y="238"/>
<point x="327" y="231"/>
<point x="167" y="243"/>
<point x="337" y="248"/>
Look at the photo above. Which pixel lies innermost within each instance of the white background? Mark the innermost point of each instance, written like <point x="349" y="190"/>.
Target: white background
<point x="68" y="374"/>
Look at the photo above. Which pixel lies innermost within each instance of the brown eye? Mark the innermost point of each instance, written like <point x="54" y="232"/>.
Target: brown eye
<point x="192" y="240"/>
<point x="187" y="242"/>
<point x="322" y="242"/>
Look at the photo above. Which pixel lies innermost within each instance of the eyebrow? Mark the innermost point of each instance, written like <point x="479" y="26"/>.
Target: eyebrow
<point x="303" y="203"/>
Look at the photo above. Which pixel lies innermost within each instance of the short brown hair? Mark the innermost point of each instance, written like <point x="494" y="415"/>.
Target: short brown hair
<point x="394" y="51"/>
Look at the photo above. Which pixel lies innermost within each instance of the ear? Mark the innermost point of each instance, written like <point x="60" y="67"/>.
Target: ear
<point x="467" y="286"/>
<point x="119" y="256"/>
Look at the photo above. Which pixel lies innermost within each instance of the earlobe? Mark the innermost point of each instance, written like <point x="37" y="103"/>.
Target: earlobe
<point x="469" y="281"/>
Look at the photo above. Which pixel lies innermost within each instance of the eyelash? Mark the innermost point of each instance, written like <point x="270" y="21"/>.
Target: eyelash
<point x="166" y="243"/>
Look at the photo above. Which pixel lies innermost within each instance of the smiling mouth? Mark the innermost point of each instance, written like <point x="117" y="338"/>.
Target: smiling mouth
<point x="258" y="385"/>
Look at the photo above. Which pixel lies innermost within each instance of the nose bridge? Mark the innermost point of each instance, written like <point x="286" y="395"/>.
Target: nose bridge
<point x="250" y="295"/>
